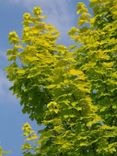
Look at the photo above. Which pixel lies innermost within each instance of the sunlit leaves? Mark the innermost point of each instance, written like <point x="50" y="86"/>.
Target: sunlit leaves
<point x="13" y="37"/>
<point x="3" y="152"/>
<point x="84" y="15"/>
<point x="37" y="11"/>
<point x="96" y="56"/>
<point x="31" y="141"/>
<point x="71" y="91"/>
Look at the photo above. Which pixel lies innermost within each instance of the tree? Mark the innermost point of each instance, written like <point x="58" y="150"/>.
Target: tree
<point x="72" y="91"/>
<point x="97" y="58"/>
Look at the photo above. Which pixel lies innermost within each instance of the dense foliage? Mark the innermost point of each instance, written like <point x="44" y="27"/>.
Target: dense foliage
<point x="71" y="91"/>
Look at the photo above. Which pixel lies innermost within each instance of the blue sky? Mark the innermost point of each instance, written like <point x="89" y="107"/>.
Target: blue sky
<point x="62" y="14"/>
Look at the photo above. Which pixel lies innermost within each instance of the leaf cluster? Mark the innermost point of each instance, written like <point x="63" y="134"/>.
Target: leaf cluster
<point x="70" y="90"/>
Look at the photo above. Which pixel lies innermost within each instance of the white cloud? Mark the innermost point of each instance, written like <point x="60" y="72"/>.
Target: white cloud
<point x="5" y="94"/>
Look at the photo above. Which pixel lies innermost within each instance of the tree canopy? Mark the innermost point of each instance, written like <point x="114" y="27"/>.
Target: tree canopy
<point x="70" y="90"/>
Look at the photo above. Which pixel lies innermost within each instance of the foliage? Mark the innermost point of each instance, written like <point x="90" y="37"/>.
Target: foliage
<point x="32" y="60"/>
<point x="31" y="140"/>
<point x="3" y="152"/>
<point x="72" y="91"/>
<point x="97" y="58"/>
